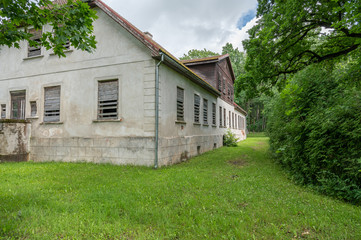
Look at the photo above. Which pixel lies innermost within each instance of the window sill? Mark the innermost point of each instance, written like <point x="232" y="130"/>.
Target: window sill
<point x="51" y="123"/>
<point x="32" y="118"/>
<point x="33" y="57"/>
<point x="66" y="51"/>
<point x="205" y="125"/>
<point x="180" y="122"/>
<point x="214" y="126"/>
<point x="107" y="120"/>
<point x="197" y="124"/>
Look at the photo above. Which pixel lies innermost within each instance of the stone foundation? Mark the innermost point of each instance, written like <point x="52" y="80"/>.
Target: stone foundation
<point x="178" y="149"/>
<point x="119" y="151"/>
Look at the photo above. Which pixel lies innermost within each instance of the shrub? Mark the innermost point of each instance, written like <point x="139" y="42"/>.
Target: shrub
<point x="315" y="131"/>
<point x="229" y="139"/>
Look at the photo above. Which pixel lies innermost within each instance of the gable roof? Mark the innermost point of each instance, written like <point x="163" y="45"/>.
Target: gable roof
<point x="212" y="59"/>
<point x="156" y="50"/>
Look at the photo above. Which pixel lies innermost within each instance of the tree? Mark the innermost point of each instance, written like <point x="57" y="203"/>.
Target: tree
<point x="70" y="22"/>
<point x="194" y="54"/>
<point x="237" y="57"/>
<point x="293" y="34"/>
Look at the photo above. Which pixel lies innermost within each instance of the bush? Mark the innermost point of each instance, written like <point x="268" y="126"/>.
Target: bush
<point x="315" y="131"/>
<point x="229" y="139"/>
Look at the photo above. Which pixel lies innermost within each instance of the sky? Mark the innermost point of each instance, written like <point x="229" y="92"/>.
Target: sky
<point x="182" y="25"/>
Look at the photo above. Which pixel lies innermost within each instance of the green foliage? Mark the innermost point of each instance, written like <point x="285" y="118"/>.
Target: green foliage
<point x="237" y="58"/>
<point x="72" y="21"/>
<point x="291" y="35"/>
<point x="229" y="139"/>
<point x="194" y="54"/>
<point x="228" y="193"/>
<point x="315" y="129"/>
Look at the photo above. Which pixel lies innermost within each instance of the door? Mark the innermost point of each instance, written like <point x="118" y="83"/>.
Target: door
<point x="18" y="105"/>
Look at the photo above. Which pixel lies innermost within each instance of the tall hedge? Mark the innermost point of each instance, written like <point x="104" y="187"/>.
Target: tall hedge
<point x="314" y="126"/>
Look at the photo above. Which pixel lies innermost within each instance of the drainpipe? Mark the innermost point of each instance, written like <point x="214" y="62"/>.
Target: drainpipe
<point x="157" y="110"/>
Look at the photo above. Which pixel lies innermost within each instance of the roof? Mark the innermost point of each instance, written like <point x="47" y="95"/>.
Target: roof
<point x="212" y="59"/>
<point x="156" y="49"/>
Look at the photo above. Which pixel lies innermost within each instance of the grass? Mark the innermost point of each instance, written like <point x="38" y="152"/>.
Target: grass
<point x="228" y="193"/>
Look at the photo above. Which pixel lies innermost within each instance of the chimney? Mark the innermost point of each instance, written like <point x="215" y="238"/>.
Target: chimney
<point x="148" y="34"/>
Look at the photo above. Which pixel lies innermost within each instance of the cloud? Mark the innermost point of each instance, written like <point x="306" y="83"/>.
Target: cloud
<point x="183" y="25"/>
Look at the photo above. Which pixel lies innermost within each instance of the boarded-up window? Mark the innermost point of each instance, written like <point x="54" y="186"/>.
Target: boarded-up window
<point x="3" y="111"/>
<point x="52" y="104"/>
<point x="233" y="120"/>
<point x="197" y="105"/>
<point x="214" y="114"/>
<point x="224" y="117"/>
<point x="35" y="50"/>
<point x="205" y="111"/>
<point x="220" y="117"/>
<point x="18" y="105"/>
<point x="33" y="108"/>
<point x="108" y="99"/>
<point x="230" y="119"/>
<point x="180" y="104"/>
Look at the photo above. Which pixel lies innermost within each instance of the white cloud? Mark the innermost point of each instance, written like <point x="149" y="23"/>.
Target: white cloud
<point x="183" y="25"/>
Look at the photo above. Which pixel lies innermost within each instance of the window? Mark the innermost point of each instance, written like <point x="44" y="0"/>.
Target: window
<point x="224" y="86"/>
<point x="108" y="99"/>
<point x="235" y="121"/>
<point x="35" y="50"/>
<point x="242" y="123"/>
<point x="214" y="114"/>
<point x="52" y="104"/>
<point x="3" y="111"/>
<point x="220" y="117"/>
<point x="205" y="111"/>
<point x="219" y="82"/>
<point x="229" y="119"/>
<point x="33" y="109"/>
<point x="180" y="104"/>
<point x="224" y="117"/>
<point x="232" y="120"/>
<point x="18" y="105"/>
<point x="197" y="105"/>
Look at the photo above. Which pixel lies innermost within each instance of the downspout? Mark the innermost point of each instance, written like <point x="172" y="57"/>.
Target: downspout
<point x="157" y="110"/>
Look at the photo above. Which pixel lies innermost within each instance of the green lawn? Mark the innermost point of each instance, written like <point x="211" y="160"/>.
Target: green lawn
<point x="229" y="193"/>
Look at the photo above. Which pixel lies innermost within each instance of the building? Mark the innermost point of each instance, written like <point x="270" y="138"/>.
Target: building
<point x="129" y="102"/>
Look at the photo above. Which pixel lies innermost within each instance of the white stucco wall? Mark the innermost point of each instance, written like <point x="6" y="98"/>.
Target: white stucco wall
<point x="118" y="56"/>
<point x="179" y="141"/>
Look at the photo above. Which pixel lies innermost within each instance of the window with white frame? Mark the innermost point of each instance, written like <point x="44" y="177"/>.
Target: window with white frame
<point x="52" y="104"/>
<point x="108" y="95"/>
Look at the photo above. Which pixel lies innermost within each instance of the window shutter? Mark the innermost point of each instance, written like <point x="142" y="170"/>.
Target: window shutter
<point x="180" y="104"/>
<point x="197" y="105"/>
<point x="220" y="116"/>
<point x="213" y="114"/>
<point x="108" y="100"/>
<point x="205" y="111"/>
<point x="52" y="104"/>
<point x="36" y="50"/>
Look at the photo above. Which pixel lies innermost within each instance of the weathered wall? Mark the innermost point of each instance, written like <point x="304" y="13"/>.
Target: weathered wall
<point x="14" y="140"/>
<point x="118" y="56"/>
<point x="182" y="140"/>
